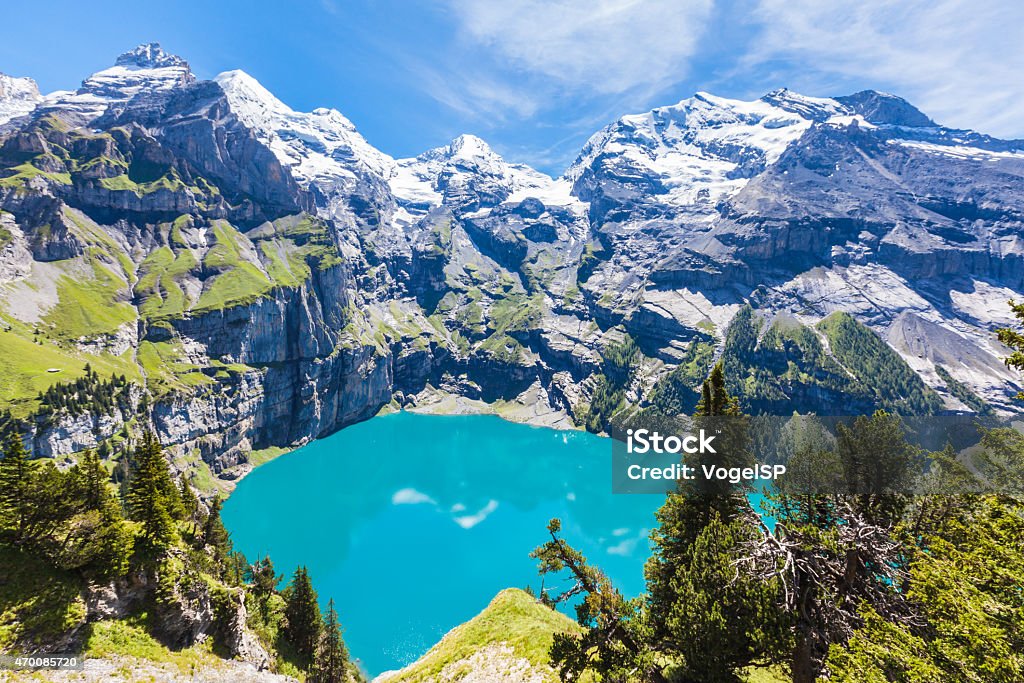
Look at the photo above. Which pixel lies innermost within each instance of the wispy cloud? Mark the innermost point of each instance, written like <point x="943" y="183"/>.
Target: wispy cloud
<point x="604" y="46"/>
<point x="959" y="61"/>
<point x="473" y="92"/>
<point x="519" y="63"/>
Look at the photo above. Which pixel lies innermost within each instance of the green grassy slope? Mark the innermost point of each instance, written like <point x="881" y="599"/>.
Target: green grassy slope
<point x="513" y="619"/>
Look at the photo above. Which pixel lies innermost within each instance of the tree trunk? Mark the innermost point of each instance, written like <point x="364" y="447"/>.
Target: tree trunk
<point x="804" y="670"/>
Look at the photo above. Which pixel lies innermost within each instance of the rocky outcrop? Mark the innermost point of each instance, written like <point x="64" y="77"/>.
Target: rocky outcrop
<point x="240" y="642"/>
<point x="187" y="609"/>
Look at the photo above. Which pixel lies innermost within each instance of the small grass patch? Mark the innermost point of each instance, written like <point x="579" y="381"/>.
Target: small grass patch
<point x="265" y="455"/>
<point x="103" y="246"/>
<point x="20" y="175"/>
<point x="161" y="295"/>
<point x="169" y="181"/>
<point x="165" y="369"/>
<point x="774" y="674"/>
<point x="239" y="282"/>
<point x="133" y="637"/>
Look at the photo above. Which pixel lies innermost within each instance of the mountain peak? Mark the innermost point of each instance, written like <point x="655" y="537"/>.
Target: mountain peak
<point x="465" y="148"/>
<point x="882" y="108"/>
<point x="322" y="145"/>
<point x="145" y="71"/>
<point x="149" y="56"/>
<point x="812" y="108"/>
<point x="18" y="96"/>
<point x="242" y="87"/>
<point x="469" y="146"/>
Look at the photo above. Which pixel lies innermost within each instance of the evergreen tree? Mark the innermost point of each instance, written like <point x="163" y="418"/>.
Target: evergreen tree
<point x="215" y="536"/>
<point x="52" y="502"/>
<point x="718" y="620"/>
<point x="965" y="582"/>
<point x="16" y="482"/>
<point x="236" y="568"/>
<point x="264" y="582"/>
<point x="331" y="664"/>
<point x="303" y="615"/>
<point x="702" y="621"/>
<point x="714" y="623"/>
<point x="152" y="497"/>
<point x="91" y="481"/>
<point x="879" y="466"/>
<point x="614" y="643"/>
<point x="189" y="504"/>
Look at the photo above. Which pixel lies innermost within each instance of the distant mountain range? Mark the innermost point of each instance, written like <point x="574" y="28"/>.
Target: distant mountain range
<point x="262" y="276"/>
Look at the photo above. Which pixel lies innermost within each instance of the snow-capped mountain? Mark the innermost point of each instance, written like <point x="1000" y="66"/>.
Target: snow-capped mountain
<point x="466" y="173"/>
<point x="325" y="151"/>
<point x="18" y="96"/>
<point x="812" y="206"/>
<point x="146" y="71"/>
<point x="321" y="148"/>
<point x="691" y="153"/>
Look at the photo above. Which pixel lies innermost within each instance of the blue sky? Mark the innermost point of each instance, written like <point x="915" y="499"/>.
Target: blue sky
<point x="535" y="78"/>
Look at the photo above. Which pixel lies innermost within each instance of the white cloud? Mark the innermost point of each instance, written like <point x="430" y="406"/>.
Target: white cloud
<point x="961" y="62"/>
<point x="604" y="46"/>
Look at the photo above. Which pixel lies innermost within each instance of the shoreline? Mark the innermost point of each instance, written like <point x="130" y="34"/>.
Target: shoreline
<point x="527" y="408"/>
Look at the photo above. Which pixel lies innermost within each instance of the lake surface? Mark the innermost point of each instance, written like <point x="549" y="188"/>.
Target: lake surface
<point x="412" y="523"/>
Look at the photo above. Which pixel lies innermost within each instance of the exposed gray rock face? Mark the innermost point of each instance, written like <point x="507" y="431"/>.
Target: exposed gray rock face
<point x="116" y="599"/>
<point x="242" y="643"/>
<point x="277" y="278"/>
<point x="188" y="613"/>
<point x="884" y="109"/>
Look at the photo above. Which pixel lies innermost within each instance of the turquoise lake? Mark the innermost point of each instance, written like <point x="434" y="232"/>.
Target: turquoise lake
<point x="412" y="523"/>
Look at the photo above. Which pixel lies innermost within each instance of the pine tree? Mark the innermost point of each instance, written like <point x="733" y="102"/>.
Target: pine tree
<point x="215" y="535"/>
<point x="91" y="481"/>
<point x="702" y="621"/>
<point x="715" y="623"/>
<point x="879" y="466"/>
<point x="236" y="568"/>
<point x="331" y="665"/>
<point x="303" y="615"/>
<point x="16" y="482"/>
<point x="189" y="502"/>
<point x="264" y="582"/>
<point x="612" y="644"/>
<point x="152" y="496"/>
<point x="694" y="503"/>
<point x="718" y="620"/>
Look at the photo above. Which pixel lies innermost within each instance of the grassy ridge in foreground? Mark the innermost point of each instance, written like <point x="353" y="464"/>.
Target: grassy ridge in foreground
<point x="513" y="628"/>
